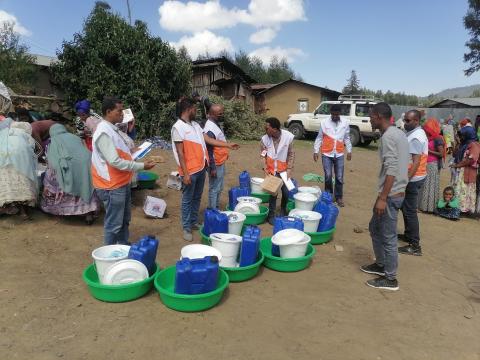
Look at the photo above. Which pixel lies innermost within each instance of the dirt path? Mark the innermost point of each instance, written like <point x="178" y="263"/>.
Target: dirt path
<point x="324" y="312"/>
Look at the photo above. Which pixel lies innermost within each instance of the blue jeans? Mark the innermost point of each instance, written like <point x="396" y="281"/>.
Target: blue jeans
<point x="329" y="165"/>
<point x="409" y="211"/>
<point x="117" y="204"/>
<point x="191" y="197"/>
<point x="383" y="230"/>
<point x="215" y="187"/>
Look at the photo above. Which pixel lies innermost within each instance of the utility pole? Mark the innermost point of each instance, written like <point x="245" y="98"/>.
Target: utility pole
<point x="129" y="13"/>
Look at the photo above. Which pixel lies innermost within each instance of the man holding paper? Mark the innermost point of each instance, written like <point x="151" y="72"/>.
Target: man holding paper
<point x="112" y="170"/>
<point x="277" y="150"/>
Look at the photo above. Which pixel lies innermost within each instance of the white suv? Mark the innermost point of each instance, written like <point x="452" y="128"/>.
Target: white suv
<point x="355" y="107"/>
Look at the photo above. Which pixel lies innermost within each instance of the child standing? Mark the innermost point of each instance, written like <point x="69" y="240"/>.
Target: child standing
<point x="448" y="207"/>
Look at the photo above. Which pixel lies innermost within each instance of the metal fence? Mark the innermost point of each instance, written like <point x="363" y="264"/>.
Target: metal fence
<point x="458" y="114"/>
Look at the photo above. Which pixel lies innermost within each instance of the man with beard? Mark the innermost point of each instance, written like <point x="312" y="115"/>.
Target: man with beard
<point x="332" y="139"/>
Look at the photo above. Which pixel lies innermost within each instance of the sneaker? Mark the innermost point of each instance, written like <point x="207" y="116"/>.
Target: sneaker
<point x="373" y="269"/>
<point x="402" y="237"/>
<point x="410" y="250"/>
<point x="383" y="283"/>
<point x="196" y="226"/>
<point x="187" y="235"/>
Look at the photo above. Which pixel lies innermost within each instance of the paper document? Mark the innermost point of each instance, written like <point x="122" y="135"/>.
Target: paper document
<point x="127" y="116"/>
<point x="143" y="150"/>
<point x="288" y="182"/>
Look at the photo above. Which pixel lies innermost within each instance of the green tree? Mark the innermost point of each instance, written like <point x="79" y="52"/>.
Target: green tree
<point x="475" y="93"/>
<point x="17" y="69"/>
<point x="353" y="85"/>
<point x="110" y="57"/>
<point x="471" y="22"/>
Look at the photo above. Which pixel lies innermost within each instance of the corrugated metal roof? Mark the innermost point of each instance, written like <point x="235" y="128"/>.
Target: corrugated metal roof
<point x="43" y="60"/>
<point x="302" y="83"/>
<point x="466" y="101"/>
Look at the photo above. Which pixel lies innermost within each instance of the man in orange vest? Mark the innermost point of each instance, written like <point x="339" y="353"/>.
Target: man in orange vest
<point x="417" y="172"/>
<point x="112" y="172"/>
<point x="277" y="149"/>
<point x="217" y="147"/>
<point x="191" y="156"/>
<point x="332" y="139"/>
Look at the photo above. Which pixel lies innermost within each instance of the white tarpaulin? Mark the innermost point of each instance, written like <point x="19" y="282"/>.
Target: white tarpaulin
<point x="5" y="100"/>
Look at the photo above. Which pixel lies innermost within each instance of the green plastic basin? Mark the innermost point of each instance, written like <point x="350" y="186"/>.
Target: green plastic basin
<point x="165" y="285"/>
<point x="285" y="265"/>
<point x="255" y="219"/>
<point x="116" y="293"/>
<point x="146" y="179"/>
<point x="262" y="196"/>
<point x="321" y="237"/>
<point x="238" y="274"/>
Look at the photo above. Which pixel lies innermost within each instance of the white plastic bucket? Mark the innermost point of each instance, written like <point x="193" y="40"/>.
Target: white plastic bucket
<point x="229" y="247"/>
<point x="304" y="201"/>
<point x="199" y="251"/>
<point x="315" y="190"/>
<point x="235" y="222"/>
<point x="310" y="219"/>
<point x="256" y="185"/>
<point x="295" y="250"/>
<point x="106" y="256"/>
<point x="250" y="199"/>
<point x="247" y="208"/>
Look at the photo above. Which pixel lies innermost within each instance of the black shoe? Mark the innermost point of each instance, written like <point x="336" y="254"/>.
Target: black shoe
<point x="373" y="269"/>
<point x="410" y="250"/>
<point x="402" y="237"/>
<point x="383" y="283"/>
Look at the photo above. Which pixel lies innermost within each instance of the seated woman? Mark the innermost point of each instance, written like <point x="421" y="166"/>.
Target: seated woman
<point x="68" y="188"/>
<point x="18" y="164"/>
<point x="448" y="207"/>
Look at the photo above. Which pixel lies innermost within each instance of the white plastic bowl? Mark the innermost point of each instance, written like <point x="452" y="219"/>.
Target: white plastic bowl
<point x="315" y="190"/>
<point x="126" y="271"/>
<point x="229" y="247"/>
<point x="235" y="222"/>
<point x="310" y="219"/>
<point x="256" y="185"/>
<point x="106" y="256"/>
<point x="287" y="237"/>
<point x="250" y="199"/>
<point x="304" y="201"/>
<point x="199" y="251"/>
<point x="247" y="208"/>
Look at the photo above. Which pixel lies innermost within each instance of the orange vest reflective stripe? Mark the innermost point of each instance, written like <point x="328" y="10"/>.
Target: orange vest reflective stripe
<point x="220" y="153"/>
<point x="420" y="135"/>
<point x="105" y="176"/>
<point x="277" y="160"/>
<point x="194" y="149"/>
<point x="333" y="136"/>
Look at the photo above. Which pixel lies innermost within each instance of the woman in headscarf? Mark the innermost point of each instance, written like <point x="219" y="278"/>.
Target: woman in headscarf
<point x="18" y="168"/>
<point x="68" y="188"/>
<point x="436" y="152"/>
<point x="86" y="122"/>
<point x="467" y="161"/>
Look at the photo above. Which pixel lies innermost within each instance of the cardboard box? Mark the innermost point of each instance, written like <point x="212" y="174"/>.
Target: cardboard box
<point x="272" y="185"/>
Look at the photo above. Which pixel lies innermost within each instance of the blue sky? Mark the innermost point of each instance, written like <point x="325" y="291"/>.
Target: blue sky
<point x="411" y="46"/>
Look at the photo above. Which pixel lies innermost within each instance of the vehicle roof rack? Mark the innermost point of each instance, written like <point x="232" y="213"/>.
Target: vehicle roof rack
<point x="356" y="98"/>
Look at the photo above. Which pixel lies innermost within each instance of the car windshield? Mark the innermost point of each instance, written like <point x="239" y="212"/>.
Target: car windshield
<point x="324" y="109"/>
<point x="362" y="110"/>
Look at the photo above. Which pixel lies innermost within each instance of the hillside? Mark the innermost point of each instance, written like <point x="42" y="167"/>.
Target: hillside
<point x="464" y="91"/>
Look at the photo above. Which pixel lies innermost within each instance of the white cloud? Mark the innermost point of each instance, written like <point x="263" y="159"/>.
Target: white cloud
<point x="263" y="36"/>
<point x="266" y="53"/>
<point x="17" y="27"/>
<point x="204" y="42"/>
<point x="194" y="16"/>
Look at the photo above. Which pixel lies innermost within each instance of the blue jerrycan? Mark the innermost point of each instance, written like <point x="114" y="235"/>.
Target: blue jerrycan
<point x="244" y="181"/>
<point x="235" y="193"/>
<point x="145" y="251"/>
<point x="215" y="222"/>
<point x="329" y="218"/>
<point x="196" y="276"/>
<point x="250" y="246"/>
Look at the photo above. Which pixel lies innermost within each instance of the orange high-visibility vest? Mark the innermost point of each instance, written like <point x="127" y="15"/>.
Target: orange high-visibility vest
<point x="220" y="153"/>
<point x="105" y="176"/>
<point x="420" y="135"/>
<point x="194" y="149"/>
<point x="277" y="160"/>
<point x="333" y="136"/>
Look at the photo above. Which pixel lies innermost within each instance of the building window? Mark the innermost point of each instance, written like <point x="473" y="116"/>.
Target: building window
<point x="302" y="105"/>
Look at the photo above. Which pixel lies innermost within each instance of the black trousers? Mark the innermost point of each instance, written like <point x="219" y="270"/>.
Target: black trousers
<point x="272" y="204"/>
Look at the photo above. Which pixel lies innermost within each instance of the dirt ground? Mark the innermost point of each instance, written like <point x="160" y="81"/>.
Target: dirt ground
<point x="324" y="312"/>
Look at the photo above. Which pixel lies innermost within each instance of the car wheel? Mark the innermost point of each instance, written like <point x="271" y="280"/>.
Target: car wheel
<point x="354" y="136"/>
<point x="365" y="143"/>
<point x="297" y="130"/>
